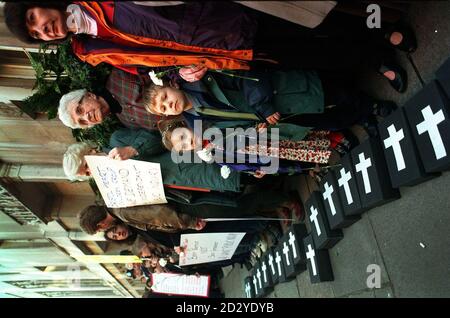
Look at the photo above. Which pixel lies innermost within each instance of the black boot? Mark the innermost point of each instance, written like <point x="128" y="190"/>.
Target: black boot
<point x="400" y="81"/>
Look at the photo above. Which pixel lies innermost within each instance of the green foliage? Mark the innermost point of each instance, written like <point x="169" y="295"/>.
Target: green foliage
<point x="99" y="134"/>
<point x="58" y="73"/>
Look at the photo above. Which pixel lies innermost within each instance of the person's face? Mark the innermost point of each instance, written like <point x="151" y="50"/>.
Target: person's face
<point x="90" y="111"/>
<point x="46" y="24"/>
<point x="183" y="139"/>
<point x="118" y="232"/>
<point x="106" y="223"/>
<point x="170" y="101"/>
<point x="83" y="170"/>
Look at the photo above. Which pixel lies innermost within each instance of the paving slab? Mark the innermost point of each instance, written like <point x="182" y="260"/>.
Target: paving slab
<point x="351" y="257"/>
<point x="413" y="235"/>
<point x="287" y="289"/>
<point x="308" y="290"/>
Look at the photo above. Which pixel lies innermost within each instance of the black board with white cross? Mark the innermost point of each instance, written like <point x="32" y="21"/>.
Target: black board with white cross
<point x="265" y="273"/>
<point x="347" y="187"/>
<point x="372" y="176"/>
<point x="293" y="239"/>
<point x="332" y="203"/>
<point x="270" y="261"/>
<point x="249" y="290"/>
<point x="428" y="116"/>
<point x="324" y="237"/>
<point x="402" y="157"/>
<point x="443" y="77"/>
<point x="278" y="255"/>
<point x="257" y="281"/>
<point x="319" y="265"/>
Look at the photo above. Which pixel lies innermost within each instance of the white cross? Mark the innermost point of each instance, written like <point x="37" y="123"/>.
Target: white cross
<point x="430" y="125"/>
<point x="286" y="253"/>
<point x="313" y="218"/>
<point x="247" y="290"/>
<point x="254" y="284"/>
<point x="278" y="261"/>
<point x="264" y="271"/>
<point x="343" y="181"/>
<point x="327" y="196"/>
<point x="311" y="254"/>
<point x="395" y="136"/>
<point x="362" y="167"/>
<point x="258" y="274"/>
<point x="291" y="242"/>
<point x="272" y="268"/>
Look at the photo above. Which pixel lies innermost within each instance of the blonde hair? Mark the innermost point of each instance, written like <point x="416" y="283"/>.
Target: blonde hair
<point x="73" y="159"/>
<point x="166" y="127"/>
<point x="149" y="95"/>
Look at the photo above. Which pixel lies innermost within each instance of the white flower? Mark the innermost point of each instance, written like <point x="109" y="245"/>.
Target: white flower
<point x="225" y="172"/>
<point x="155" y="79"/>
<point x="162" y="262"/>
<point x="205" y="155"/>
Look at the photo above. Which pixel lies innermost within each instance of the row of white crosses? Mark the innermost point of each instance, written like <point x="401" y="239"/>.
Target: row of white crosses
<point x="430" y="124"/>
<point x="278" y="264"/>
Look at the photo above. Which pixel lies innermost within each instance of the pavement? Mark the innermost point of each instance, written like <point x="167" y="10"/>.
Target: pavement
<point x="408" y="238"/>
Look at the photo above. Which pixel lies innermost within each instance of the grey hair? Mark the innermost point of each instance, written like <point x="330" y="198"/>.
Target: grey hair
<point x="68" y="102"/>
<point x="73" y="158"/>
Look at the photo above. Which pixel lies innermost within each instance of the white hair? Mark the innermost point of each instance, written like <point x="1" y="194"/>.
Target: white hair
<point x="73" y="159"/>
<point x="68" y="102"/>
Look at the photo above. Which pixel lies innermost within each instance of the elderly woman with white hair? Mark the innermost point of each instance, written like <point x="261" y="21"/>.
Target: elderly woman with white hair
<point x="74" y="164"/>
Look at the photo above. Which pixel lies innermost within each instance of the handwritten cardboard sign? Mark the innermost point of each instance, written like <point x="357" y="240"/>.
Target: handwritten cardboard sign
<point x="127" y="183"/>
<point x="208" y="247"/>
<point x="180" y="284"/>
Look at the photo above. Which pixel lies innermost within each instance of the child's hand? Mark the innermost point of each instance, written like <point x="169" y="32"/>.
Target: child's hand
<point x="122" y="153"/>
<point x="274" y="118"/>
<point x="259" y="174"/>
<point x="261" y="127"/>
<point x="200" y="224"/>
<point x="193" y="73"/>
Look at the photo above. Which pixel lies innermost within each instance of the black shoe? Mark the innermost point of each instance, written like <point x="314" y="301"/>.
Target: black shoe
<point x="400" y="82"/>
<point x="384" y="108"/>
<point x="408" y="43"/>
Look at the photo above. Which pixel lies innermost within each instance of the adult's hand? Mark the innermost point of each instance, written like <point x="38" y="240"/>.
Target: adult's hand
<point x="274" y="118"/>
<point x="122" y="153"/>
<point x="193" y="73"/>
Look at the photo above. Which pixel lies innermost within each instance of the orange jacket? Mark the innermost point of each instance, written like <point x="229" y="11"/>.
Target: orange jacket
<point x="126" y="50"/>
